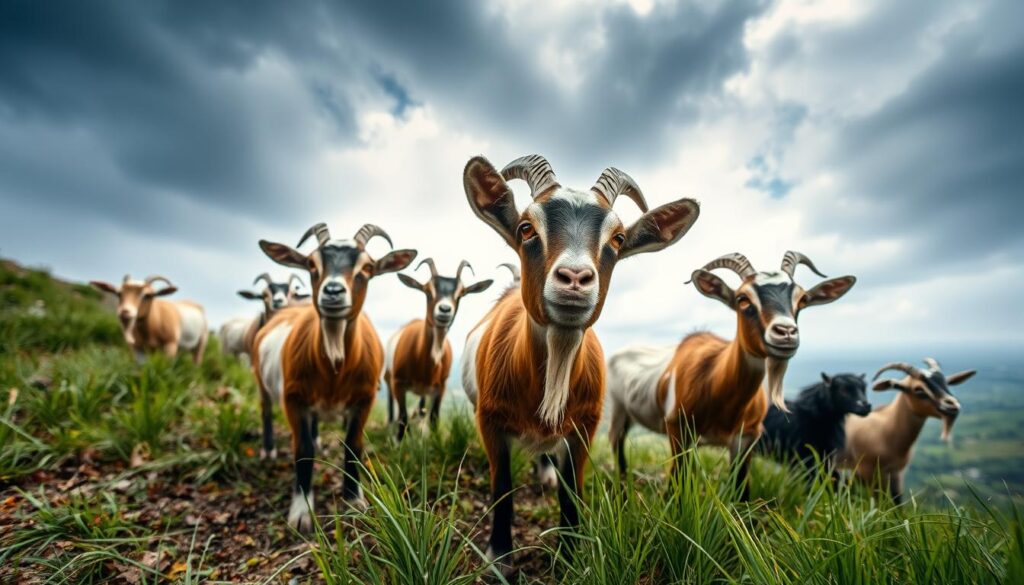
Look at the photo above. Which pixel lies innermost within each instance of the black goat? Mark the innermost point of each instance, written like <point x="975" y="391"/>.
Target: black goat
<point x="814" y="423"/>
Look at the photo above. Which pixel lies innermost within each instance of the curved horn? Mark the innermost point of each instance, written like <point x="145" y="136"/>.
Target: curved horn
<point x="155" y="277"/>
<point x="430" y="264"/>
<point x="932" y="364"/>
<point x="901" y="366"/>
<point x="516" y="275"/>
<point x="264" y="277"/>
<point x="367" y="232"/>
<point x="463" y="264"/>
<point x="322" y="234"/>
<point x="791" y="259"/>
<point x="292" y="278"/>
<point x="736" y="262"/>
<point x="535" y="170"/>
<point x="614" y="182"/>
<point x="127" y="277"/>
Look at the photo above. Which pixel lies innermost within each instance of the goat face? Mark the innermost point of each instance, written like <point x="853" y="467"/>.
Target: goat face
<point x="134" y="299"/>
<point x="276" y="295"/>
<point x="568" y="241"/>
<point x="848" y="393"/>
<point x="768" y="304"/>
<point x="443" y="293"/>
<point x="339" y="270"/>
<point x="928" y="390"/>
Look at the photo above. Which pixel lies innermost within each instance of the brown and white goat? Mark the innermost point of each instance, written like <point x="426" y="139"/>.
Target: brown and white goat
<point x="325" y="358"/>
<point x="710" y="388"/>
<point x="237" y="335"/>
<point x="880" y="445"/>
<point x="535" y="368"/>
<point x="153" y="324"/>
<point x="419" y="357"/>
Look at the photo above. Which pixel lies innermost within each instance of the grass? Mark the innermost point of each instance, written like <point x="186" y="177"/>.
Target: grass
<point x="146" y="473"/>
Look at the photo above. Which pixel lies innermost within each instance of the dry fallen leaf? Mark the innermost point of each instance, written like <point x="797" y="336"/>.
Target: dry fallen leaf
<point x="140" y="455"/>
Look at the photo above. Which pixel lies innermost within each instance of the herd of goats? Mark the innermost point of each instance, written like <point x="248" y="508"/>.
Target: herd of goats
<point x="533" y="366"/>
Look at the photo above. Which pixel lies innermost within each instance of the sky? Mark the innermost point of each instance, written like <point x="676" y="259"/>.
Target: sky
<point x="881" y="139"/>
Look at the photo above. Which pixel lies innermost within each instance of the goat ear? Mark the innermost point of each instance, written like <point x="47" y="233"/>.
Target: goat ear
<point x="828" y="291"/>
<point x="491" y="198"/>
<point x="284" y="255"/>
<point x="167" y="290"/>
<point x="104" y="286"/>
<point x="660" y="228"/>
<point x="410" y="281"/>
<point x="960" y="377"/>
<point x="245" y="294"/>
<point x="394" y="261"/>
<point x="887" y="384"/>
<point x="477" y="287"/>
<point x="825" y="378"/>
<point x="713" y="287"/>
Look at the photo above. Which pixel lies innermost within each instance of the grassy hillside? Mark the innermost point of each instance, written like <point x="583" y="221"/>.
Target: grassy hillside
<point x="116" y="472"/>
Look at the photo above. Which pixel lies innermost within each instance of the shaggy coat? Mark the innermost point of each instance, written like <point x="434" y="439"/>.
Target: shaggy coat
<point x="814" y="427"/>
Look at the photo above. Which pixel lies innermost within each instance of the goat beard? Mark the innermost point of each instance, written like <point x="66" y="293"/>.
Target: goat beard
<point x="563" y="346"/>
<point x="333" y="334"/>
<point x="776" y="371"/>
<point x="129" y="332"/>
<point x="947" y="428"/>
<point x="437" y="346"/>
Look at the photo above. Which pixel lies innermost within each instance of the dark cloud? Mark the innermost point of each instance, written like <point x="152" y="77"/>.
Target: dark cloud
<point x="942" y="164"/>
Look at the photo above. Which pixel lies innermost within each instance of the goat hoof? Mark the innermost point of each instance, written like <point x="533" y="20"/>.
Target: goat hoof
<point x="501" y="561"/>
<point x="300" y="515"/>
<point x="358" y="503"/>
<point x="264" y="455"/>
<point x="549" y="478"/>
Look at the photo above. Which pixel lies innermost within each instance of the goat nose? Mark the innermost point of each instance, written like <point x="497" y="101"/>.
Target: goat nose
<point x="784" y="331"/>
<point x="575" y="278"/>
<point x="333" y="289"/>
<point x="444" y="308"/>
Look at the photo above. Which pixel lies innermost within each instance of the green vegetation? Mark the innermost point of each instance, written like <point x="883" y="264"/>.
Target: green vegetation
<point x="147" y="473"/>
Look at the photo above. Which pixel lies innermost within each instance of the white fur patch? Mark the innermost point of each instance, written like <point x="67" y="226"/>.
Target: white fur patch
<point x="469" y="383"/>
<point x="776" y="371"/>
<point x="633" y="377"/>
<point x="332" y="333"/>
<point x="575" y="197"/>
<point x="270" y="359"/>
<point x="764" y="278"/>
<point x="193" y="326"/>
<point x="389" y="352"/>
<point x="232" y="335"/>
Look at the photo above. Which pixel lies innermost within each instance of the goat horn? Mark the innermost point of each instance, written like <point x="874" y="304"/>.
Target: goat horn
<point x="934" y="365"/>
<point x="264" y="277"/>
<point x="367" y="232"/>
<point x="463" y="264"/>
<point x="901" y="366"/>
<point x="323" y="235"/>
<point x="614" y="182"/>
<point x="516" y="275"/>
<point x="155" y="277"/>
<point x="535" y="170"/>
<point x="127" y="277"/>
<point x="430" y="264"/>
<point x="736" y="262"/>
<point x="791" y="259"/>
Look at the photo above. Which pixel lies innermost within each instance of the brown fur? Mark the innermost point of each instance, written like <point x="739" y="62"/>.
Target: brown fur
<point x="414" y="368"/>
<point x="510" y="371"/>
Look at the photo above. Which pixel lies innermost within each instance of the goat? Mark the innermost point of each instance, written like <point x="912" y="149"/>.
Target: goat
<point x="238" y="335"/>
<point x="152" y="324"/>
<point x="534" y="366"/>
<point x="324" y="358"/>
<point x="419" y="357"/>
<point x="707" y="386"/>
<point x="814" y="426"/>
<point x="881" y="445"/>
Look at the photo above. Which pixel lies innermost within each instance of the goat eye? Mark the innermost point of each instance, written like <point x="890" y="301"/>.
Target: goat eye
<point x="743" y="303"/>
<point x="526" y="231"/>
<point x="617" y="240"/>
<point x="368" y="269"/>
